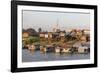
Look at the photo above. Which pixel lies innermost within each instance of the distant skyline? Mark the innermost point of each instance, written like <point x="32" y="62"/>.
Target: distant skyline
<point x="48" y="20"/>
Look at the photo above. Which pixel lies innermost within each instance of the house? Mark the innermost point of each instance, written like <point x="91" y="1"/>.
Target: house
<point x="42" y="36"/>
<point x="50" y="34"/>
<point x="25" y="35"/>
<point x="62" y="36"/>
<point x="86" y="31"/>
<point x="83" y="38"/>
<point x="46" y="36"/>
<point x="83" y="49"/>
<point x="77" y="44"/>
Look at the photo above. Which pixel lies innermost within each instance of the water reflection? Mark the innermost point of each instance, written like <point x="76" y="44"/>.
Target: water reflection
<point x="31" y="56"/>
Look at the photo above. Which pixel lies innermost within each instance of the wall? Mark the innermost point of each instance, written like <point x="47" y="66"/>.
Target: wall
<point x="5" y="36"/>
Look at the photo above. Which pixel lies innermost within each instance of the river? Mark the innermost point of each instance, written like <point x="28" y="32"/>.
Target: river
<point x="36" y="56"/>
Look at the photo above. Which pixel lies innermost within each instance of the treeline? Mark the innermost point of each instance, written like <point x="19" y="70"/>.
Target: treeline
<point x="31" y="32"/>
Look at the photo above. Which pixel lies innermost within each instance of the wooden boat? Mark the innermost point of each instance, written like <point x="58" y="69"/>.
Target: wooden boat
<point x="66" y="50"/>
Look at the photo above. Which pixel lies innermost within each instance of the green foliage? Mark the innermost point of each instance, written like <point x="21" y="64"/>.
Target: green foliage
<point x="33" y="40"/>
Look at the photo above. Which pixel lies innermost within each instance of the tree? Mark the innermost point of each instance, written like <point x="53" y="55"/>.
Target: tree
<point x="39" y="30"/>
<point x="32" y="32"/>
<point x="34" y="40"/>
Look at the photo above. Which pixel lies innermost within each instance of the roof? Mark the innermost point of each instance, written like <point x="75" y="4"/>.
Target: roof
<point x="77" y="44"/>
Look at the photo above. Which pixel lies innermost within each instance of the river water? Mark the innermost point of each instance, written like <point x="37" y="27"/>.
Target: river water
<point x="36" y="56"/>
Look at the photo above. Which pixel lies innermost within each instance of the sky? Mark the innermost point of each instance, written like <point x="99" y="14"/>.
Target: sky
<point x="48" y="20"/>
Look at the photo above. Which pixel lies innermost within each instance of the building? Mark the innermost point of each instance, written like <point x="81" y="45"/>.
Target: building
<point x="42" y="36"/>
<point x="83" y="49"/>
<point x="46" y="36"/>
<point x="62" y="36"/>
<point x="25" y="35"/>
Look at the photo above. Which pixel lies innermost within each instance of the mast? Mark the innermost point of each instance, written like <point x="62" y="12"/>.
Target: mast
<point x="57" y="23"/>
<point x="56" y="27"/>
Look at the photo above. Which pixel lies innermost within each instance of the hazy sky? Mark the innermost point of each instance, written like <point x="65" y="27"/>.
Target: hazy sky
<point x="48" y="20"/>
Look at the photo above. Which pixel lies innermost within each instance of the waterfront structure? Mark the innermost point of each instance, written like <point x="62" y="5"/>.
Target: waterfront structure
<point x="57" y="49"/>
<point x="32" y="47"/>
<point x="43" y="49"/>
<point x="66" y="50"/>
<point x="65" y="40"/>
<point x="83" y="49"/>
